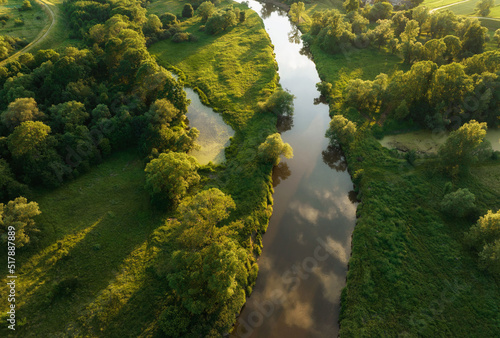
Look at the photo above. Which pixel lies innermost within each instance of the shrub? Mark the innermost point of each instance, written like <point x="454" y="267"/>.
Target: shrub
<point x="458" y="203"/>
<point x="180" y="37"/>
<point x="18" y="22"/>
<point x="187" y="11"/>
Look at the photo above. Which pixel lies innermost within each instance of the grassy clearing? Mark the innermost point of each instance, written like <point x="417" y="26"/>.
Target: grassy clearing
<point x="438" y="3"/>
<point x="233" y="69"/>
<point x="58" y="37"/>
<point x="34" y="20"/>
<point x="94" y="229"/>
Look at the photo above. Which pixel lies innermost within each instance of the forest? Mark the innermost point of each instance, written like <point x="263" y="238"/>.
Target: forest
<point x="117" y="227"/>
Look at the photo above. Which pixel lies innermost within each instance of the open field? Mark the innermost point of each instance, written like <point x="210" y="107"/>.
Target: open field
<point x="34" y="20"/>
<point x="461" y="7"/>
<point x="94" y="233"/>
<point x="226" y="67"/>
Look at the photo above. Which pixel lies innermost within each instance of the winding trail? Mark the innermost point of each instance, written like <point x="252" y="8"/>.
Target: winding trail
<point x="43" y="34"/>
<point x="449" y="5"/>
<point x="460" y="2"/>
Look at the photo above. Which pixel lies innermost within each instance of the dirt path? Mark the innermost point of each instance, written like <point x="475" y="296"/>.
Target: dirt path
<point x="449" y="5"/>
<point x="43" y="34"/>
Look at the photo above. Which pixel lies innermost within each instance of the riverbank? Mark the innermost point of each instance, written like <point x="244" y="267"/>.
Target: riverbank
<point x="409" y="272"/>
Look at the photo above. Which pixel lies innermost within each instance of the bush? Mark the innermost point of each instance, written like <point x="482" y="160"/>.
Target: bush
<point x="18" y="22"/>
<point x="458" y="203"/>
<point x="180" y="37"/>
<point x="279" y="103"/>
<point x="187" y="11"/>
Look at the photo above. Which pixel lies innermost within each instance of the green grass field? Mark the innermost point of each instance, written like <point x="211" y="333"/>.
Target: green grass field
<point x="233" y="69"/>
<point x="461" y="7"/>
<point x="34" y="20"/>
<point x="58" y="37"/>
<point x="94" y="229"/>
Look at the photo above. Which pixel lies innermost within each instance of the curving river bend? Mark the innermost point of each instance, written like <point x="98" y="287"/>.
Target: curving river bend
<point x="307" y="245"/>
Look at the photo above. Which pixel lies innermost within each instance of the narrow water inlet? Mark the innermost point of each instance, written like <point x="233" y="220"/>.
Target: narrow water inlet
<point x="215" y="134"/>
<point x="303" y="265"/>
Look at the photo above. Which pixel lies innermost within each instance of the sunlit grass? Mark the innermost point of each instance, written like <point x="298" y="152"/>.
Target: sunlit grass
<point x="93" y="230"/>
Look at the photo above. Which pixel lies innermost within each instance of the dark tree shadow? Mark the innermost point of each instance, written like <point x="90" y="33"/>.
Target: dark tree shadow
<point x="353" y="196"/>
<point x="334" y="158"/>
<point x="284" y="123"/>
<point x="294" y="35"/>
<point x="305" y="51"/>
<point x="280" y="173"/>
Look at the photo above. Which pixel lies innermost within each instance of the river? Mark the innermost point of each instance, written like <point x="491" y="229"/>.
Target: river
<point x="303" y="265"/>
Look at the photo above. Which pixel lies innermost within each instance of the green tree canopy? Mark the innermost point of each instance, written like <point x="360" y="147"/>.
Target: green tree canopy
<point x="296" y="11"/>
<point x="28" y="139"/>
<point x="458" y="203"/>
<point x="341" y="130"/>
<point x="21" y="110"/>
<point x="463" y="146"/>
<point x="169" y="177"/>
<point x="483" y="7"/>
<point x="279" y="103"/>
<point x="19" y="215"/>
<point x="187" y="11"/>
<point x="272" y="148"/>
<point x="206" y="10"/>
<point x="208" y="273"/>
<point x="485" y="237"/>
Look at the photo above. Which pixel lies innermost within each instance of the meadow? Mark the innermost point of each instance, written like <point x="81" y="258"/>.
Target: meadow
<point x="89" y="264"/>
<point x="34" y="20"/>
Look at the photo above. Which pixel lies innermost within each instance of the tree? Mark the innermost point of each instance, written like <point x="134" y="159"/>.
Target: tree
<point x="351" y="5"/>
<point x="21" y="110"/>
<point x="296" y="11"/>
<point x="153" y="25"/>
<point x="382" y="33"/>
<point x="16" y="221"/>
<point x="485" y="237"/>
<point x="272" y="148"/>
<point x="26" y="6"/>
<point x="162" y="112"/>
<point x="458" y="203"/>
<point x="168" y="19"/>
<point x="496" y="37"/>
<point x="68" y="115"/>
<point x="206" y="10"/>
<point x="187" y="11"/>
<point x="483" y="7"/>
<point x="474" y="37"/>
<point x="442" y="23"/>
<point x="435" y="50"/>
<point x="420" y="14"/>
<point x="380" y="11"/>
<point x="341" y="130"/>
<point x="408" y="38"/>
<point x="28" y="139"/>
<point x="399" y="21"/>
<point x="207" y="273"/>
<point x="169" y="177"/>
<point x="358" y="23"/>
<point x="463" y="146"/>
<point x="279" y="103"/>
